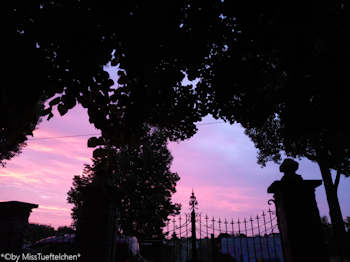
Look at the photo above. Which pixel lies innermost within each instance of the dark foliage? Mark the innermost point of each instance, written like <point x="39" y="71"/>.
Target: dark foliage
<point x="278" y="69"/>
<point x="144" y="183"/>
<point x="17" y="122"/>
<point x="347" y="224"/>
<point x="56" y="53"/>
<point x="35" y="232"/>
<point x="64" y="230"/>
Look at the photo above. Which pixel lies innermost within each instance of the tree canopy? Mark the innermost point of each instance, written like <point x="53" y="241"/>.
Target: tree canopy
<point x="63" y="46"/>
<point x="253" y="61"/>
<point x="56" y="53"/>
<point x="144" y="182"/>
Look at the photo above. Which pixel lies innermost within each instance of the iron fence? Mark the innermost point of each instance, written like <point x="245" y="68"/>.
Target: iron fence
<point x="250" y="239"/>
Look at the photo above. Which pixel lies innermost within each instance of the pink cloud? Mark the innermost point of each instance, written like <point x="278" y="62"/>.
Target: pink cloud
<point x="219" y="163"/>
<point x="7" y="176"/>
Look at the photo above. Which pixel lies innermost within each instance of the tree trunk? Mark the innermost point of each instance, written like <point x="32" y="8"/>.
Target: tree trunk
<point x="334" y="207"/>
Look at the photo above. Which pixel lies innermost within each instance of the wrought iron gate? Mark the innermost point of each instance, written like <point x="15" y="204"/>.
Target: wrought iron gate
<point x="197" y="237"/>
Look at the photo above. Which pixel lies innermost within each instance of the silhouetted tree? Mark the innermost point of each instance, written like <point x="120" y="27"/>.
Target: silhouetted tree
<point x="18" y="121"/>
<point x="280" y="77"/>
<point x="35" y="232"/>
<point x="144" y="182"/>
<point x="64" y="230"/>
<point x="327" y="228"/>
<point x="347" y="224"/>
<point x="289" y="93"/>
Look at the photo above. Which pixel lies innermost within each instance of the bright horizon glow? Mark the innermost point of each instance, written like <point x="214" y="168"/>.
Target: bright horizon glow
<point x="219" y="163"/>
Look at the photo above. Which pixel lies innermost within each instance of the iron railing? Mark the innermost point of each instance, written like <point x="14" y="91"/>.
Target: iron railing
<point x="249" y="239"/>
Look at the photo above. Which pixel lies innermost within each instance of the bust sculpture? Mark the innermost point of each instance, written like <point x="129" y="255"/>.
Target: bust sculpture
<point x="289" y="167"/>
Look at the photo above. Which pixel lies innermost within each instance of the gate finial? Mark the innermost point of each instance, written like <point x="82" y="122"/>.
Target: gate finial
<point x="193" y="201"/>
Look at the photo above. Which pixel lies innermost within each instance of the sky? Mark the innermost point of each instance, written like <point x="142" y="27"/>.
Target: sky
<point x="218" y="163"/>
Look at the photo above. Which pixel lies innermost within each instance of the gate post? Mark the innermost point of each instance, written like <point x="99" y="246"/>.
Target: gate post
<point x="193" y="203"/>
<point x="298" y="216"/>
<point x="96" y="225"/>
<point x="194" y="246"/>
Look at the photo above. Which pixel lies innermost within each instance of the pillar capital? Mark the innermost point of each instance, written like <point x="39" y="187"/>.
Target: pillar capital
<point x="13" y="221"/>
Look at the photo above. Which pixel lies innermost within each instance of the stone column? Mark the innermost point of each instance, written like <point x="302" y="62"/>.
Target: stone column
<point x="298" y="216"/>
<point x="13" y="222"/>
<point x="96" y="226"/>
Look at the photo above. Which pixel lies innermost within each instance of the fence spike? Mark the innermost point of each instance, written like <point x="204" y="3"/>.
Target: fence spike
<point x="266" y="237"/>
<point x="187" y="246"/>
<point x="240" y="239"/>
<point x="272" y="233"/>
<point x="167" y="225"/>
<point x="206" y="222"/>
<point x="233" y="240"/>
<point x="180" y="226"/>
<point x="200" y="226"/>
<point x="213" y="221"/>
<point x="200" y="235"/>
<point x="246" y="240"/>
<point x="206" y="227"/>
<point x="254" y="246"/>
<point x="226" y="237"/>
<point x="260" y="239"/>
<point x="174" y="226"/>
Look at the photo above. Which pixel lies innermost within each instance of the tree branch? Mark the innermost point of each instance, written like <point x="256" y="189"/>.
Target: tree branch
<point x="337" y="179"/>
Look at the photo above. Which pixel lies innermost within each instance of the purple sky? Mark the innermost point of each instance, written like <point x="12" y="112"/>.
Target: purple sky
<point x="219" y="163"/>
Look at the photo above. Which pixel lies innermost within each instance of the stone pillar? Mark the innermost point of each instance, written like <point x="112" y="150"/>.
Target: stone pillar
<point x="96" y="225"/>
<point x="13" y="221"/>
<point x="298" y="216"/>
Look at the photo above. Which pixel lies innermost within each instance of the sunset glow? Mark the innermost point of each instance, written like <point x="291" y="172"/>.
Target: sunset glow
<point x="218" y="163"/>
